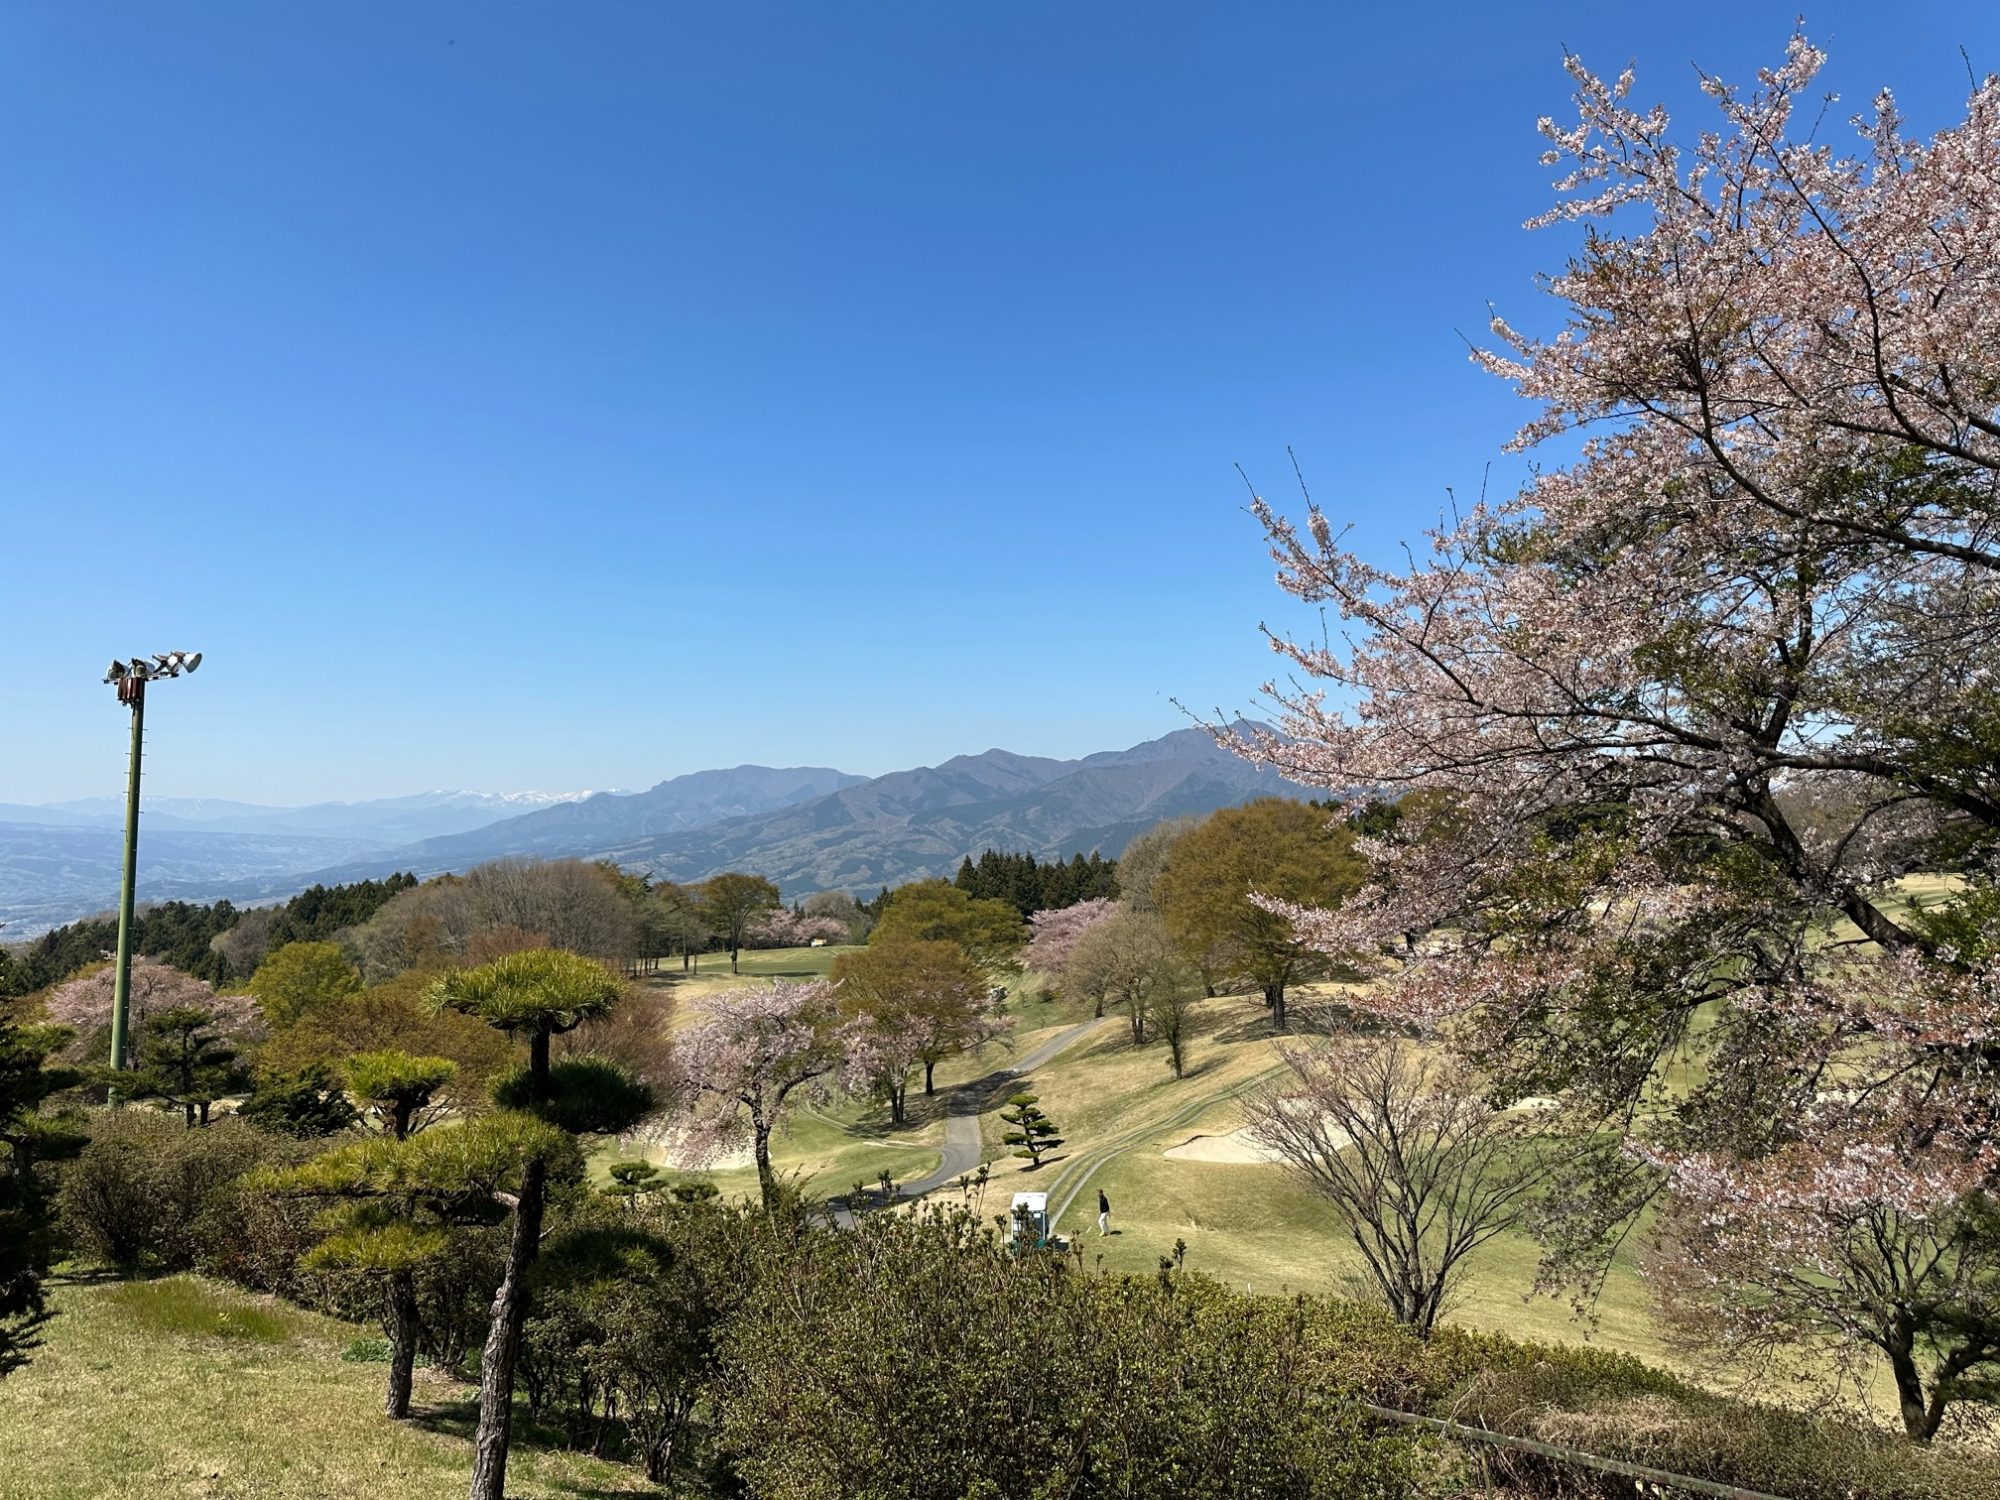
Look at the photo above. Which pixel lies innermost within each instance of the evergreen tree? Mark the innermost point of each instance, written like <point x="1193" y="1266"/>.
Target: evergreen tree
<point x="537" y="994"/>
<point x="401" y="1090"/>
<point x="1029" y="886"/>
<point x="396" y="1204"/>
<point x="633" y="1179"/>
<point x="185" y="1061"/>
<point x="1033" y="1133"/>
<point x="27" y="1218"/>
<point x="305" y="1104"/>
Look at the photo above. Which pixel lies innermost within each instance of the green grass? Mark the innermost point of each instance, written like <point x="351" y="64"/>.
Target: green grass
<point x="135" y="1393"/>
<point x="1252" y="1226"/>
<point x="197" y="1309"/>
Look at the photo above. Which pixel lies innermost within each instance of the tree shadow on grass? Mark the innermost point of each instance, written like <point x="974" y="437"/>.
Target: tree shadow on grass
<point x="1257" y="1029"/>
<point x="459" y="1419"/>
<point x="74" y="1275"/>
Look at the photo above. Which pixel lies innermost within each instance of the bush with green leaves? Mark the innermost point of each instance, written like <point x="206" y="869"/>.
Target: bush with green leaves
<point x="308" y="1104"/>
<point x="620" y="1346"/>
<point x="1617" y="1406"/>
<point x="145" y="1191"/>
<point x="915" y="1355"/>
<point x="581" y="1094"/>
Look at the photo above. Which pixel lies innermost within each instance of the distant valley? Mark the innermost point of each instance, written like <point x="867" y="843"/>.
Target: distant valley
<point x="808" y="828"/>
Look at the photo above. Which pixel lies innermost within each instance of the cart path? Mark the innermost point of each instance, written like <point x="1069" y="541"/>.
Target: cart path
<point x="967" y="1102"/>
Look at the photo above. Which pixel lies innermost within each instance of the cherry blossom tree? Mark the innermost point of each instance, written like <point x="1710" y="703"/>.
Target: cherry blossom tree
<point x="742" y="1063"/>
<point x="84" y="1003"/>
<point x="1670" y="725"/>
<point x="783" y="928"/>
<point x="1052" y="935"/>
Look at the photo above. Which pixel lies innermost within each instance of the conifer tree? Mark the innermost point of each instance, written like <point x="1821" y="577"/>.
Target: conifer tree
<point x="537" y="994"/>
<point x="402" y="1091"/>
<point x="633" y="1179"/>
<point x="184" y="1060"/>
<point x="1034" y="1133"/>
<point x="27" y="1220"/>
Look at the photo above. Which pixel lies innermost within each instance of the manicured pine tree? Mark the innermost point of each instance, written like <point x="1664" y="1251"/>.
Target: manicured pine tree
<point x="1034" y="1133"/>
<point x="396" y="1202"/>
<point x="402" y="1091"/>
<point x="184" y="1060"/>
<point x="633" y="1179"/>
<point x="538" y="995"/>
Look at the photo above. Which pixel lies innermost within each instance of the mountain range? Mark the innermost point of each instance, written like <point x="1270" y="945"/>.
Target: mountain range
<point x="808" y="828"/>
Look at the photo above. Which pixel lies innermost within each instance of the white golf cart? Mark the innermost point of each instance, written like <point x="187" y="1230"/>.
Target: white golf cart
<point x="1029" y="1213"/>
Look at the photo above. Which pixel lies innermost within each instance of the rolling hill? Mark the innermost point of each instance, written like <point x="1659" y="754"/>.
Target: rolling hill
<point x="863" y="834"/>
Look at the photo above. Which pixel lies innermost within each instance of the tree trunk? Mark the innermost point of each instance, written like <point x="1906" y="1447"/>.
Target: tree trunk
<point x="400" y="1116"/>
<point x="538" y="1064"/>
<point x="402" y="1342"/>
<point x="733" y="950"/>
<point x="767" y="1180"/>
<point x="930" y="1067"/>
<point x="188" y="1111"/>
<point x="1274" y="997"/>
<point x="1918" y="1421"/>
<point x="503" y="1341"/>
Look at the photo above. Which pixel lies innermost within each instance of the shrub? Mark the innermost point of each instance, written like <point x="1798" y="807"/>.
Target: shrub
<point x="1617" y="1407"/>
<point x="307" y="1104"/>
<point x="587" y="1095"/>
<point x="146" y="1191"/>
<point x="917" y="1355"/>
<point x="627" y="1301"/>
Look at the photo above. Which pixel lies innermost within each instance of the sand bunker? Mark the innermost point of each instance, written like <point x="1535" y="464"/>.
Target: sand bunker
<point x="1236" y="1149"/>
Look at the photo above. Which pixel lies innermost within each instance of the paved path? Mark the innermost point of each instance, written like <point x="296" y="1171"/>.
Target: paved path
<point x="962" y="1108"/>
<point x="966" y="1103"/>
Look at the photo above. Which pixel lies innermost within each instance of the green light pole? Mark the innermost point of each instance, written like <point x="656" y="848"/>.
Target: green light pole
<point x="131" y="678"/>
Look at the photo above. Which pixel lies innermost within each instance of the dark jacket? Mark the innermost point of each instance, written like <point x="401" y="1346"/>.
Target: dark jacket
<point x="1103" y="1203"/>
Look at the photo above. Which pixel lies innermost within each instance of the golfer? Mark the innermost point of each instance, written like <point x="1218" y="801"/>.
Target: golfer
<point x="1103" y="1213"/>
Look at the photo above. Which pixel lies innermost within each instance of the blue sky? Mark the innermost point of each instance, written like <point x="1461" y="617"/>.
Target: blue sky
<point x="511" y="395"/>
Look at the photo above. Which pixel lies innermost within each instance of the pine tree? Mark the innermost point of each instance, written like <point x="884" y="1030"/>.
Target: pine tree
<point x="184" y="1060"/>
<point x="633" y="1179"/>
<point x="1034" y="1133"/>
<point x="28" y="1238"/>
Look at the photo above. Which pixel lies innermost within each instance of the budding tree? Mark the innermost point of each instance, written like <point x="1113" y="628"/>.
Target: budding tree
<point x="742" y="1063"/>
<point x="1687" y="707"/>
